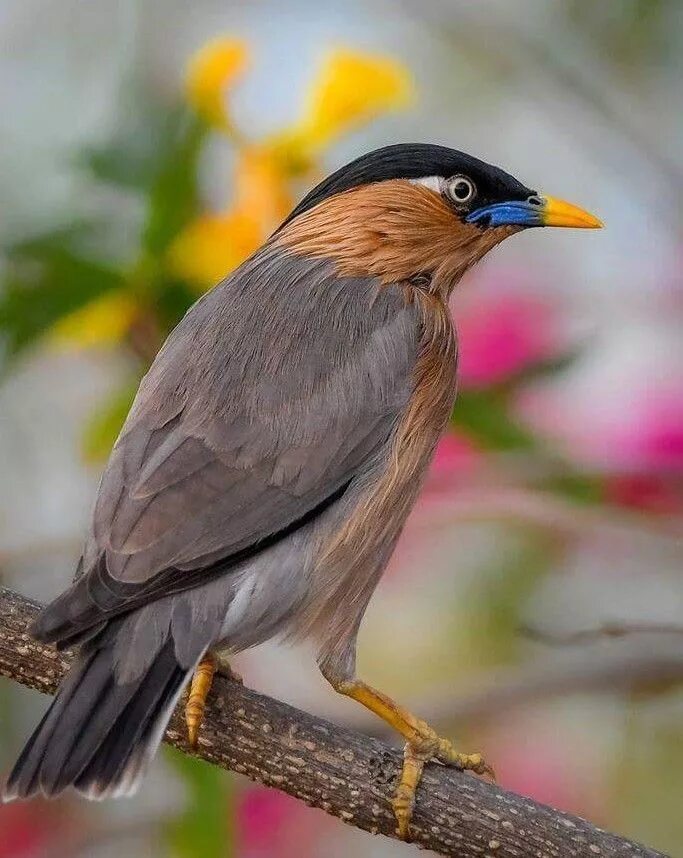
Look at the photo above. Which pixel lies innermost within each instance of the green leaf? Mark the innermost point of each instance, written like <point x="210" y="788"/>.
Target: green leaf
<point x="484" y="415"/>
<point x="543" y="369"/>
<point x="579" y="487"/>
<point x="174" y="195"/>
<point x="204" y="829"/>
<point x="47" y="279"/>
<point x="146" y="135"/>
<point x="105" y="424"/>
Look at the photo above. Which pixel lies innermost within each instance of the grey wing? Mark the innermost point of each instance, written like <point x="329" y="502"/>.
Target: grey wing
<point x="276" y="390"/>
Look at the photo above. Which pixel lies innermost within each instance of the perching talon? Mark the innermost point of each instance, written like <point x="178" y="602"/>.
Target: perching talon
<point x="197" y="696"/>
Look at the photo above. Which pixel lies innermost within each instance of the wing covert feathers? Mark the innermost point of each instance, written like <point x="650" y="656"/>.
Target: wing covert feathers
<point x="279" y="388"/>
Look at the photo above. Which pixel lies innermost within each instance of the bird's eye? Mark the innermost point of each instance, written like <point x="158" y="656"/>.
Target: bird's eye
<point x="461" y="190"/>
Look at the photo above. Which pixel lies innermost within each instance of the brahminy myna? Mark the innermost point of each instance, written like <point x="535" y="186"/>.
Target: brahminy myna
<point x="269" y="461"/>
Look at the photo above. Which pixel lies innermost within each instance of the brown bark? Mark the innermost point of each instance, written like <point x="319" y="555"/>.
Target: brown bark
<point x="349" y="775"/>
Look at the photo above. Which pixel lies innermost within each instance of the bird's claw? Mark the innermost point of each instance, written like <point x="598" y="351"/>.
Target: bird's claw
<point x="426" y="746"/>
<point x="196" y="698"/>
<point x="474" y="763"/>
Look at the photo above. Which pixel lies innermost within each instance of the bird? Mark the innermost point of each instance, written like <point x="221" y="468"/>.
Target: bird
<point x="268" y="464"/>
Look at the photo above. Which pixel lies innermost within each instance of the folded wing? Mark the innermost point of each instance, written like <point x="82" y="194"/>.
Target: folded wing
<point x="273" y="394"/>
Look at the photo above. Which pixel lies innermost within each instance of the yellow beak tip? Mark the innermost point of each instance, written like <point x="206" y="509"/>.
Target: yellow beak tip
<point x="588" y="221"/>
<point x="560" y="213"/>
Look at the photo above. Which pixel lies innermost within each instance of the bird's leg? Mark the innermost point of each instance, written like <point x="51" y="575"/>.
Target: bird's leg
<point x="196" y="699"/>
<point x="202" y="679"/>
<point x="422" y="744"/>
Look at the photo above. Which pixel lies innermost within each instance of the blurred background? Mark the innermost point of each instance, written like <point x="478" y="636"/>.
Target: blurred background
<point x="534" y="608"/>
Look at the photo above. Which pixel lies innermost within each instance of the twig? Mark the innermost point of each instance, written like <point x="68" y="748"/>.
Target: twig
<point x="606" y="630"/>
<point x="348" y="775"/>
<point x="515" y="504"/>
<point x="651" y="664"/>
<point x="623" y="669"/>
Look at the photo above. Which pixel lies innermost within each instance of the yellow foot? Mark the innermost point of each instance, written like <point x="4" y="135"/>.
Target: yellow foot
<point x="422" y="744"/>
<point x="196" y="700"/>
<point x="425" y="746"/>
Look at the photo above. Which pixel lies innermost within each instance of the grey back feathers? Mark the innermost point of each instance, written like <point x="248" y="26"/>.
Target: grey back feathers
<point x="274" y="392"/>
<point x="266" y="399"/>
<point x="279" y="389"/>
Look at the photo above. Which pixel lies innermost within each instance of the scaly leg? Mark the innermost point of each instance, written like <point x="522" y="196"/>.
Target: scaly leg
<point x="208" y="667"/>
<point x="196" y="700"/>
<point x="422" y="744"/>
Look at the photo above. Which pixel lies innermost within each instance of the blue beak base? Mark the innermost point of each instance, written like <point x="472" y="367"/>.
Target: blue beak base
<point x="514" y="213"/>
<point x="534" y="211"/>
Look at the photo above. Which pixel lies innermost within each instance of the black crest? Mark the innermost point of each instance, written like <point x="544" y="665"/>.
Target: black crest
<point x="413" y="161"/>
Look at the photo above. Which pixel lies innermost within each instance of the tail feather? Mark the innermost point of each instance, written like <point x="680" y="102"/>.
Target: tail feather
<point x="23" y="780"/>
<point x="98" y="735"/>
<point x="104" y="714"/>
<point x="149" y="741"/>
<point x="74" y="726"/>
<point x="107" y="770"/>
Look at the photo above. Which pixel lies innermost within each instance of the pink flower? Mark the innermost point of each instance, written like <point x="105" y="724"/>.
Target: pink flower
<point x="504" y="326"/>
<point x="27" y="829"/>
<point x="261" y="816"/>
<point x="656" y="440"/>
<point x="653" y="493"/>
<point x="271" y="824"/>
<point x="531" y="759"/>
<point x="626" y="426"/>
<point x="455" y="460"/>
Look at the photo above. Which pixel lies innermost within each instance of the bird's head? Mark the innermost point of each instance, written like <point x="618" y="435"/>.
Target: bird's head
<point x="417" y="212"/>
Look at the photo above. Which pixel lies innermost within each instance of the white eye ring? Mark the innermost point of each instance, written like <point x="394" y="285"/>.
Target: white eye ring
<point x="461" y="190"/>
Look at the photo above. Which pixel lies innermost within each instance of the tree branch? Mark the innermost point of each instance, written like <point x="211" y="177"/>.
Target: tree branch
<point x="349" y="775"/>
<point x="608" y="629"/>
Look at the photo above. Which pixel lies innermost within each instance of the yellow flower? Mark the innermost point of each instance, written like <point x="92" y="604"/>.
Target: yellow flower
<point x="104" y="321"/>
<point x="294" y="151"/>
<point x="262" y="187"/>
<point x="209" y="72"/>
<point x="352" y="89"/>
<point x="213" y="245"/>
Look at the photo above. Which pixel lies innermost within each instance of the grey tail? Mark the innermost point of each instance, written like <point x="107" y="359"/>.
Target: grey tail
<point x="99" y="735"/>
